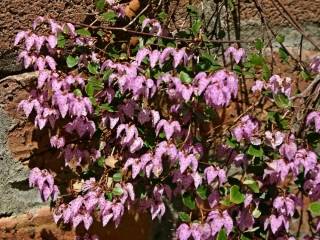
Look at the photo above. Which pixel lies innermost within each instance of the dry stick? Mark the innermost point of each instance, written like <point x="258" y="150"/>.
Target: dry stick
<point x="301" y="216"/>
<point x="236" y="22"/>
<point x="294" y="23"/>
<point x="306" y="92"/>
<point x="300" y="50"/>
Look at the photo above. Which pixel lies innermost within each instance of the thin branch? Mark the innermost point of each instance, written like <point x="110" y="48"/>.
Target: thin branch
<point x="133" y="32"/>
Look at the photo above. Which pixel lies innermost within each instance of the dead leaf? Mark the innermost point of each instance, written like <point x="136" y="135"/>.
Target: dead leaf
<point x="77" y="186"/>
<point x="132" y="8"/>
<point x="111" y="161"/>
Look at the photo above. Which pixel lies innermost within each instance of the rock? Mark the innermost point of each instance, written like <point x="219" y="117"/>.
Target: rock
<point x="9" y="64"/>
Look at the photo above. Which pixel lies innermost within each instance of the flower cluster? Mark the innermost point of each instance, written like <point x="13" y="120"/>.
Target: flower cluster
<point x="146" y="129"/>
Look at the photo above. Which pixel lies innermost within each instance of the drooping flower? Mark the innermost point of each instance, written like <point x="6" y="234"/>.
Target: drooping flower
<point x="274" y="139"/>
<point x="314" y="117"/>
<point x="154" y="26"/>
<point x="289" y="148"/>
<point x="44" y="181"/>
<point x="258" y="86"/>
<point x="246" y="129"/>
<point x="237" y="54"/>
<point x="169" y="127"/>
<point x="211" y="173"/>
<point x="280" y="85"/>
<point x="315" y="64"/>
<point x="218" y="220"/>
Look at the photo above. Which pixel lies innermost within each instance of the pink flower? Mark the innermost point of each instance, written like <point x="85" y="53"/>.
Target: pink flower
<point x="245" y="220"/>
<point x="154" y="26"/>
<point x="44" y="181"/>
<point x="213" y="198"/>
<point x="142" y="53"/>
<point x="223" y="86"/>
<point x="280" y="85"/>
<point x="169" y="128"/>
<point x="82" y="126"/>
<point x="277" y="171"/>
<point x="154" y="58"/>
<point x="211" y="173"/>
<point x="276" y="223"/>
<point x="57" y="142"/>
<point x="246" y="129"/>
<point x="52" y="41"/>
<point x="20" y="36"/>
<point x="284" y="206"/>
<point x="314" y="117"/>
<point x="219" y="220"/>
<point x="237" y="54"/>
<point x="258" y="86"/>
<point x="183" y="232"/>
<point x="289" y="148"/>
<point x="274" y="139"/>
<point x="315" y="64"/>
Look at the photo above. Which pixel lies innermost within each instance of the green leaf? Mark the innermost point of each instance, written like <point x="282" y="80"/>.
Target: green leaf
<point x="184" y="77"/>
<point x="235" y="195"/>
<point x="232" y="142"/>
<point x="100" y="4"/>
<point x="196" y="26"/>
<point x="281" y="122"/>
<point x="202" y="192"/>
<point x="222" y="235"/>
<point x="162" y="135"/>
<point x="72" y="61"/>
<point x="117" y="177"/>
<point x="244" y="238"/>
<point x="256" y="60"/>
<point x="283" y="54"/>
<point x="256" y="213"/>
<point x="266" y="73"/>
<point x="117" y="191"/>
<point x="93" y="68"/>
<point x="253" y="185"/>
<point x="151" y="41"/>
<point x="108" y="196"/>
<point x="106" y="74"/>
<point x="259" y="44"/>
<point x="93" y="85"/>
<point x="101" y="161"/>
<point x="184" y="217"/>
<point x="107" y="107"/>
<point x="231" y="4"/>
<point x="225" y="202"/>
<point x="280" y="38"/>
<point x="188" y="201"/>
<point x="305" y="75"/>
<point x="77" y="92"/>
<point x="314" y="208"/>
<point x="162" y="16"/>
<point x="61" y="40"/>
<point x="255" y="151"/>
<point x="84" y="32"/>
<point x="282" y="100"/>
<point x="109" y="16"/>
<point x="192" y="11"/>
